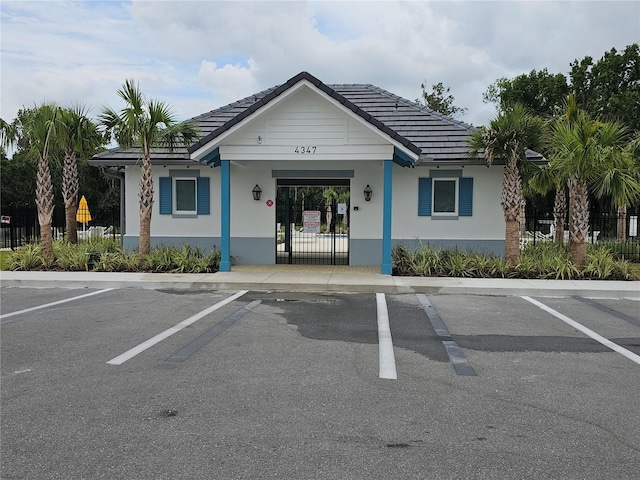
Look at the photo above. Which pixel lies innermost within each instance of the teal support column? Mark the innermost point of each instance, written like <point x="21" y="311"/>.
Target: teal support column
<point x="387" y="268"/>
<point x="225" y="211"/>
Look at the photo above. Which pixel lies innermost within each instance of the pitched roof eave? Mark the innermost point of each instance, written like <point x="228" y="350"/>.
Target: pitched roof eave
<point x="197" y="150"/>
<point x="425" y="136"/>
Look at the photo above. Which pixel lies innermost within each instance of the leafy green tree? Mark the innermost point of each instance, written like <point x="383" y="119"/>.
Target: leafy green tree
<point x="610" y="87"/>
<point x="17" y="181"/>
<point x="541" y="92"/>
<point x="505" y="140"/>
<point x="440" y="100"/>
<point x="144" y="124"/>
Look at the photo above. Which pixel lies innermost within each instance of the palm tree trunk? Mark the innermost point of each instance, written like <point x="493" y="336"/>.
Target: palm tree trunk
<point x="71" y="225"/>
<point x="44" y="202"/>
<point x="512" y="240"/>
<point x="146" y="205"/>
<point x="579" y="215"/>
<point x="512" y="201"/>
<point x="559" y="214"/>
<point x="70" y="189"/>
<point x="621" y="228"/>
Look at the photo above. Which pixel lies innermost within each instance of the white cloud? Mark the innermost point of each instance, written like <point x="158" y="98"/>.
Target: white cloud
<point x="198" y="55"/>
<point x="227" y="82"/>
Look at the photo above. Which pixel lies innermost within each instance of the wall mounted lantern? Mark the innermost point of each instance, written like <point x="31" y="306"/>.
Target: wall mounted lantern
<point x="256" y="192"/>
<point x="367" y="193"/>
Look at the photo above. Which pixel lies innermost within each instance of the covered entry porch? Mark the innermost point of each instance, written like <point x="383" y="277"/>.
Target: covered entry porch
<point x="312" y="220"/>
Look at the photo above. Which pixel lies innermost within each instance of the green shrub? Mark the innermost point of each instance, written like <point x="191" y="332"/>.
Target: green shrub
<point x="425" y="261"/>
<point x="457" y="264"/>
<point x="111" y="262"/>
<point x="600" y="262"/>
<point x="560" y="268"/>
<point x="161" y="259"/>
<point x="624" y="270"/>
<point x="213" y="260"/>
<point x="187" y="260"/>
<point x="402" y="260"/>
<point x="71" y="257"/>
<point x="106" y="255"/>
<point x="182" y="260"/>
<point x="528" y="266"/>
<point x="132" y="262"/>
<point x="27" y="257"/>
<point x="500" y="268"/>
<point x="547" y="260"/>
<point x="542" y="260"/>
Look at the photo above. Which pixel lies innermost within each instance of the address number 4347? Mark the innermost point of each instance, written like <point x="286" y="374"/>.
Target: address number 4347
<point x="305" y="149"/>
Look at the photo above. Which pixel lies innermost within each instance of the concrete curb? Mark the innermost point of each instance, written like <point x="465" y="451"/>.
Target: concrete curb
<point x="324" y="282"/>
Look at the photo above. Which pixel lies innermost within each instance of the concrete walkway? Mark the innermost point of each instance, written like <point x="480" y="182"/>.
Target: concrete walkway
<point x="311" y="278"/>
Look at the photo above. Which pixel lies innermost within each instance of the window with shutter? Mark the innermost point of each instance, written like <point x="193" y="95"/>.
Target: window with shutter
<point x="184" y="193"/>
<point x="445" y="197"/>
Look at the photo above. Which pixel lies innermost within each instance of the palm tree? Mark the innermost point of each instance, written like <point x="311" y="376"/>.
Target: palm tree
<point x="621" y="182"/>
<point x="36" y="129"/>
<point x="543" y="180"/>
<point x="586" y="152"/>
<point x="76" y="134"/>
<point x="145" y="124"/>
<point x="8" y="134"/>
<point x="506" y="139"/>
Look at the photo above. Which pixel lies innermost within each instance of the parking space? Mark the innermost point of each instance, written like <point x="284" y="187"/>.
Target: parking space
<point x="288" y="385"/>
<point x="14" y="300"/>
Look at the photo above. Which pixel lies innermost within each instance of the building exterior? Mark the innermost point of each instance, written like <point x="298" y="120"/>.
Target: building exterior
<point x="406" y="169"/>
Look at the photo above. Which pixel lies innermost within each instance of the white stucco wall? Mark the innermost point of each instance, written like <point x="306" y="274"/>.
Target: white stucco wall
<point x="172" y="225"/>
<point x="486" y="223"/>
<point x="250" y="218"/>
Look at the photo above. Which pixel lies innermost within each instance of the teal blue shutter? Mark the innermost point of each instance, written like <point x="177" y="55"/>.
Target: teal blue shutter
<point x="166" y="200"/>
<point x="424" y="196"/>
<point x="203" y="201"/>
<point x="465" y="197"/>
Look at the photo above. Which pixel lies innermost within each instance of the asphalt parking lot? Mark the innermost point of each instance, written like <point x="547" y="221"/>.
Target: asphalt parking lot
<point x="149" y="384"/>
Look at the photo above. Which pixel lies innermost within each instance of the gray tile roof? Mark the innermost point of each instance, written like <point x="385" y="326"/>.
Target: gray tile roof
<point x="436" y="138"/>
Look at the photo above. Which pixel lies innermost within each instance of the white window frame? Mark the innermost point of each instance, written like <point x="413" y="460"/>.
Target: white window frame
<point x="174" y="186"/>
<point x="455" y="198"/>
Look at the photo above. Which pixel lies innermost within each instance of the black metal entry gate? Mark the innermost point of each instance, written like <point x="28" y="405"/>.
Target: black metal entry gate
<point x="312" y="222"/>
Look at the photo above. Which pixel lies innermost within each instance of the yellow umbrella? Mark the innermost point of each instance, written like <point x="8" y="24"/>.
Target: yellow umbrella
<point x="83" y="216"/>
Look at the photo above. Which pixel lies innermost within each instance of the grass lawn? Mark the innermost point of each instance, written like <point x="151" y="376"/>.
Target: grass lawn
<point x="4" y="259"/>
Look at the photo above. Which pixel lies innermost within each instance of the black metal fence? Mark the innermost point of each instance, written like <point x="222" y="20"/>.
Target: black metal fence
<point x="20" y="225"/>
<point x="619" y="233"/>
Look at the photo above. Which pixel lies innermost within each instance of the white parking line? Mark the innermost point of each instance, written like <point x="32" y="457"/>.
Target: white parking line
<point x="387" y="362"/>
<point x="597" y="337"/>
<point x="120" y="359"/>
<point x="46" y="305"/>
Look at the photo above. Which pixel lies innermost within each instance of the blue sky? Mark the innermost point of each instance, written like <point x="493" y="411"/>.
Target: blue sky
<point x="199" y="55"/>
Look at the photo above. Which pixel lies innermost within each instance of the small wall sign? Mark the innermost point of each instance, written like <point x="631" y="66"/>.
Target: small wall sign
<point x="269" y="203"/>
<point x="311" y="221"/>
